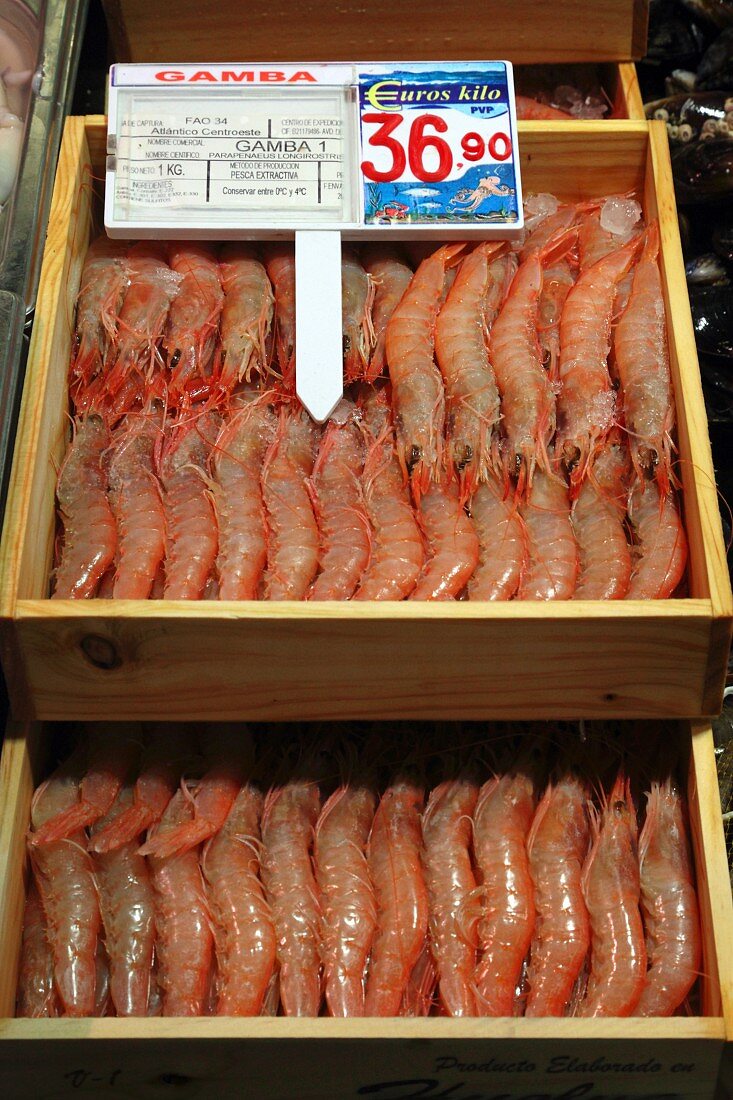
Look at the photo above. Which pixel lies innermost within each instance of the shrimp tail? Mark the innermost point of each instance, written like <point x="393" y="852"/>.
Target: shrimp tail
<point x="64" y="824"/>
<point x="123" y="829"/>
<point x="177" y="840"/>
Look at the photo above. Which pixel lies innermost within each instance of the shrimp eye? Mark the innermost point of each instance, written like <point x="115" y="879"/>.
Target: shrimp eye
<point x="347" y="344"/>
<point x="415" y="456"/>
<point x="619" y="807"/>
<point x="174" y="359"/>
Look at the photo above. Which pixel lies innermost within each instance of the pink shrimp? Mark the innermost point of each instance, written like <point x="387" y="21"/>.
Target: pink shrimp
<point x="419" y="996"/>
<point x="558" y="845"/>
<point x="453" y="546"/>
<point x="532" y="109"/>
<point x="447" y="834"/>
<point x="135" y="494"/>
<point x="501" y="824"/>
<point x="65" y="881"/>
<point x="236" y="466"/>
<point x="344" y="530"/>
<point x="160" y="772"/>
<point x="246" y="315"/>
<point x="90" y="535"/>
<point x="660" y="551"/>
<point x="184" y="941"/>
<point x="244" y="930"/>
<point x="552" y="558"/>
<point x="357" y="296"/>
<point x="292" y="548"/>
<point x="612" y="890"/>
<point x="393" y="855"/>
<point x="289" y="818"/>
<point x="191" y="531"/>
<point x="142" y="319"/>
<point x="126" y="903"/>
<point x="604" y="555"/>
<point x="557" y="282"/>
<point x="668" y="903"/>
<point x="418" y="398"/>
<point x="226" y="752"/>
<point x="104" y="279"/>
<point x="527" y="397"/>
<point x="586" y="403"/>
<point x="391" y="277"/>
<point x="280" y="267"/>
<point x="36" y="995"/>
<point x="642" y="362"/>
<point x="111" y="754"/>
<point x="595" y="242"/>
<point x="397" y="553"/>
<point x="193" y="320"/>
<point x="461" y="348"/>
<point x="502" y="543"/>
<point x="347" y="895"/>
<point x="548" y="227"/>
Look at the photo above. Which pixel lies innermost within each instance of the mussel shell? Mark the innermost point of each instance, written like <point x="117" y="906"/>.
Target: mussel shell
<point x="674" y="43"/>
<point x="712" y="317"/>
<point x="705" y="270"/>
<point x="717" y="12"/>
<point x="717" y="385"/>
<point x="691" y="109"/>
<point x="722" y="236"/>
<point x="703" y="170"/>
<point x="716" y="66"/>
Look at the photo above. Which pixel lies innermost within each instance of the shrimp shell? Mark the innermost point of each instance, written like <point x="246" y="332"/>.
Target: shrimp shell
<point x="668" y="903"/>
<point x="397" y="553"/>
<point x="660" y="551"/>
<point x="642" y="362"/>
<point x="347" y="895"/>
<point x="612" y="890"/>
<point x="292" y="531"/>
<point x="290" y="815"/>
<point x="280" y="266"/>
<point x="552" y="560"/>
<point x="461" y="336"/>
<point x="236" y="462"/>
<point x="126" y="903"/>
<point x="501" y="823"/>
<point x="391" y="277"/>
<point x="344" y="530"/>
<point x="447" y="834"/>
<point x="191" y="530"/>
<point x="135" y="494"/>
<point x="193" y="320"/>
<point x="64" y="877"/>
<point x="246" y="315"/>
<point x="558" y="845"/>
<point x="36" y="995"/>
<point x="453" y="546"/>
<point x="393" y="855"/>
<point x="244" y="931"/>
<point x="502" y="540"/>
<point x="184" y="939"/>
<point x="604" y="555"/>
<point x="357" y="296"/>
<point x="90" y="532"/>
<point x="104" y="279"/>
<point x="418" y="398"/>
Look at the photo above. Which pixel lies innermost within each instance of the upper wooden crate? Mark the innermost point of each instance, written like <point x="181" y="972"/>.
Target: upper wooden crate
<point x="217" y="660"/>
<point x="390" y="1059"/>
<point x="310" y="30"/>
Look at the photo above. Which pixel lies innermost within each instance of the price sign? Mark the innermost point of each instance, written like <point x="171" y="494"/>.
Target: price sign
<point x="438" y="145"/>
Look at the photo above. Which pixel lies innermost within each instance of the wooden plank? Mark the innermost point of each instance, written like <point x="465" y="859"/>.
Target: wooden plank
<point x="629" y="83"/>
<point x="310" y="30"/>
<point x="16" y="789"/>
<point x="254" y="661"/>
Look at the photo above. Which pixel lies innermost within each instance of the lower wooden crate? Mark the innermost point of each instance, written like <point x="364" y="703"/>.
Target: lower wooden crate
<point x="394" y="1059"/>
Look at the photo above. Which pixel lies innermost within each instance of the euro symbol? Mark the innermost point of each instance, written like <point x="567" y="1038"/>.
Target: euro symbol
<point x="381" y="95"/>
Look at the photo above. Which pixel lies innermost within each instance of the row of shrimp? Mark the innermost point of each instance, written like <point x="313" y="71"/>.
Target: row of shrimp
<point x="214" y="871"/>
<point x="256" y="502"/>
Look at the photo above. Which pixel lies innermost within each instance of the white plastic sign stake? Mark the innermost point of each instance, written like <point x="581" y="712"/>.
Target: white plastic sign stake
<point x="319" y="364"/>
<point x="367" y="151"/>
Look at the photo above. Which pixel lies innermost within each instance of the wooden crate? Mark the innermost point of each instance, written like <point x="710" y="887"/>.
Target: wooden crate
<point x="396" y="1059"/>
<point x="88" y="659"/>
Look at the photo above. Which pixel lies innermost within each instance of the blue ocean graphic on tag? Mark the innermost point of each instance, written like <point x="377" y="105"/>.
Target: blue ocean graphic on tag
<point x="484" y="193"/>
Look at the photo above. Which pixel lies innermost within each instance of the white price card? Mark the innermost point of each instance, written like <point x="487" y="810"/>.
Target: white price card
<point x="366" y="148"/>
